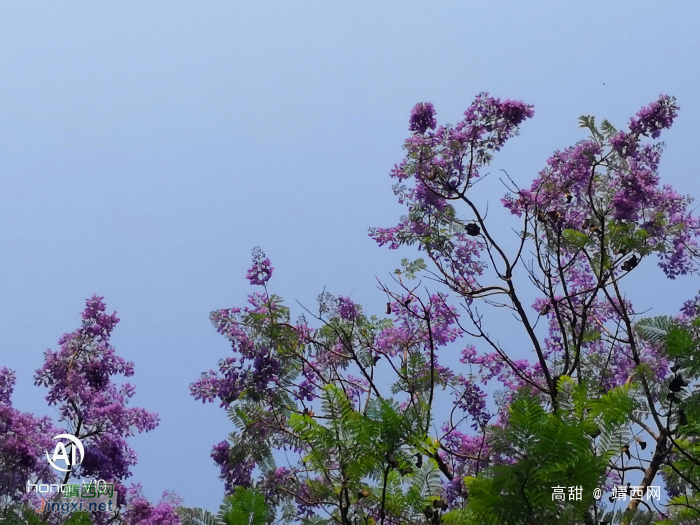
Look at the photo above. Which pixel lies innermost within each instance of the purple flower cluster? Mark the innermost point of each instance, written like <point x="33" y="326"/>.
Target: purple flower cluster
<point x="422" y="117"/>
<point x="347" y="309"/>
<point x="139" y="511"/>
<point x="571" y="192"/>
<point x="23" y="441"/>
<point x="234" y="473"/>
<point x="256" y="369"/>
<point x="656" y="116"/>
<point x="78" y="376"/>
<point x="261" y="271"/>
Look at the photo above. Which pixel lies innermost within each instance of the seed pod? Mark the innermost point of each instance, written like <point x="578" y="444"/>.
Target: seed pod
<point x="439" y="504"/>
<point x="406" y="470"/>
<point x="642" y="444"/>
<point x="677" y="383"/>
<point x="630" y="263"/>
<point x="554" y="215"/>
<point x="419" y="460"/>
<point x="391" y="460"/>
<point x="472" y="229"/>
<point x="388" y="308"/>
<point x="626" y="450"/>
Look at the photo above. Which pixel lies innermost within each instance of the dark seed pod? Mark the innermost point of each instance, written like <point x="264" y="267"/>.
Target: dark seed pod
<point x="388" y="308"/>
<point x="630" y="263"/>
<point x="439" y="504"/>
<point x="472" y="229"/>
<point x="554" y="215"/>
<point x="406" y="470"/>
<point x="673" y="397"/>
<point x="569" y="198"/>
<point x="682" y="418"/>
<point x="433" y="173"/>
<point x="419" y="460"/>
<point x="541" y="216"/>
<point x="391" y="460"/>
<point x="626" y="450"/>
<point x="642" y="444"/>
<point x="545" y="309"/>
<point x="428" y="512"/>
<point x="677" y="383"/>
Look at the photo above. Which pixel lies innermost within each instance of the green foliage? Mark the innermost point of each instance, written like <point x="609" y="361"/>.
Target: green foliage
<point x="243" y="507"/>
<point x="411" y="268"/>
<point x="79" y="518"/>
<point x="549" y="450"/>
<point x="197" y="516"/>
<point x="654" y="329"/>
<point x="20" y="515"/>
<point x="575" y="238"/>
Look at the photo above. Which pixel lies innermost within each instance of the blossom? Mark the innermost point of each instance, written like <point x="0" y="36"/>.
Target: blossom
<point x="422" y="117"/>
<point x="347" y="309"/>
<point x="261" y="271"/>
<point x="24" y="439"/>
<point x="139" y="511"/>
<point x="80" y="380"/>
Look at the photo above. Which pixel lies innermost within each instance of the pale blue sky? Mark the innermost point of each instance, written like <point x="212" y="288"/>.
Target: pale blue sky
<point x="146" y="147"/>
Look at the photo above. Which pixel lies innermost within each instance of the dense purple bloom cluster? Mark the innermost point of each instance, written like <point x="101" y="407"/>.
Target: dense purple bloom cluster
<point x="23" y="441"/>
<point x="78" y="376"/>
<point x="261" y="271"/>
<point x="139" y="511"/>
<point x="422" y="117"/>
<point x="573" y="190"/>
<point x="91" y="407"/>
<point x="347" y="309"/>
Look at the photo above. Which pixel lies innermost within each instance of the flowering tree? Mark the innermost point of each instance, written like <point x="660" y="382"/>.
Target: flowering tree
<point x="373" y="427"/>
<point x="92" y="408"/>
<point x="23" y="441"/>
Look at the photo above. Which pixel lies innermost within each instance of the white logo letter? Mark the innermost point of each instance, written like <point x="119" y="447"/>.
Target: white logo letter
<point x="60" y="447"/>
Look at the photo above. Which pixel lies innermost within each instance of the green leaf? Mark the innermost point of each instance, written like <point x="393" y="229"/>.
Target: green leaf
<point x="654" y="329"/>
<point x="576" y="238"/>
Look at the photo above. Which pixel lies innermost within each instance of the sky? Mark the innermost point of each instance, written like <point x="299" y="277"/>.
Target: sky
<point x="147" y="147"/>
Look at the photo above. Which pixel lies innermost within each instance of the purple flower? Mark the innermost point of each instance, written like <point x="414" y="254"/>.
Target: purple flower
<point x="79" y="376"/>
<point x="515" y="112"/>
<point x="261" y="271"/>
<point x="655" y="117"/>
<point x="347" y="309"/>
<point x="422" y="117"/>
